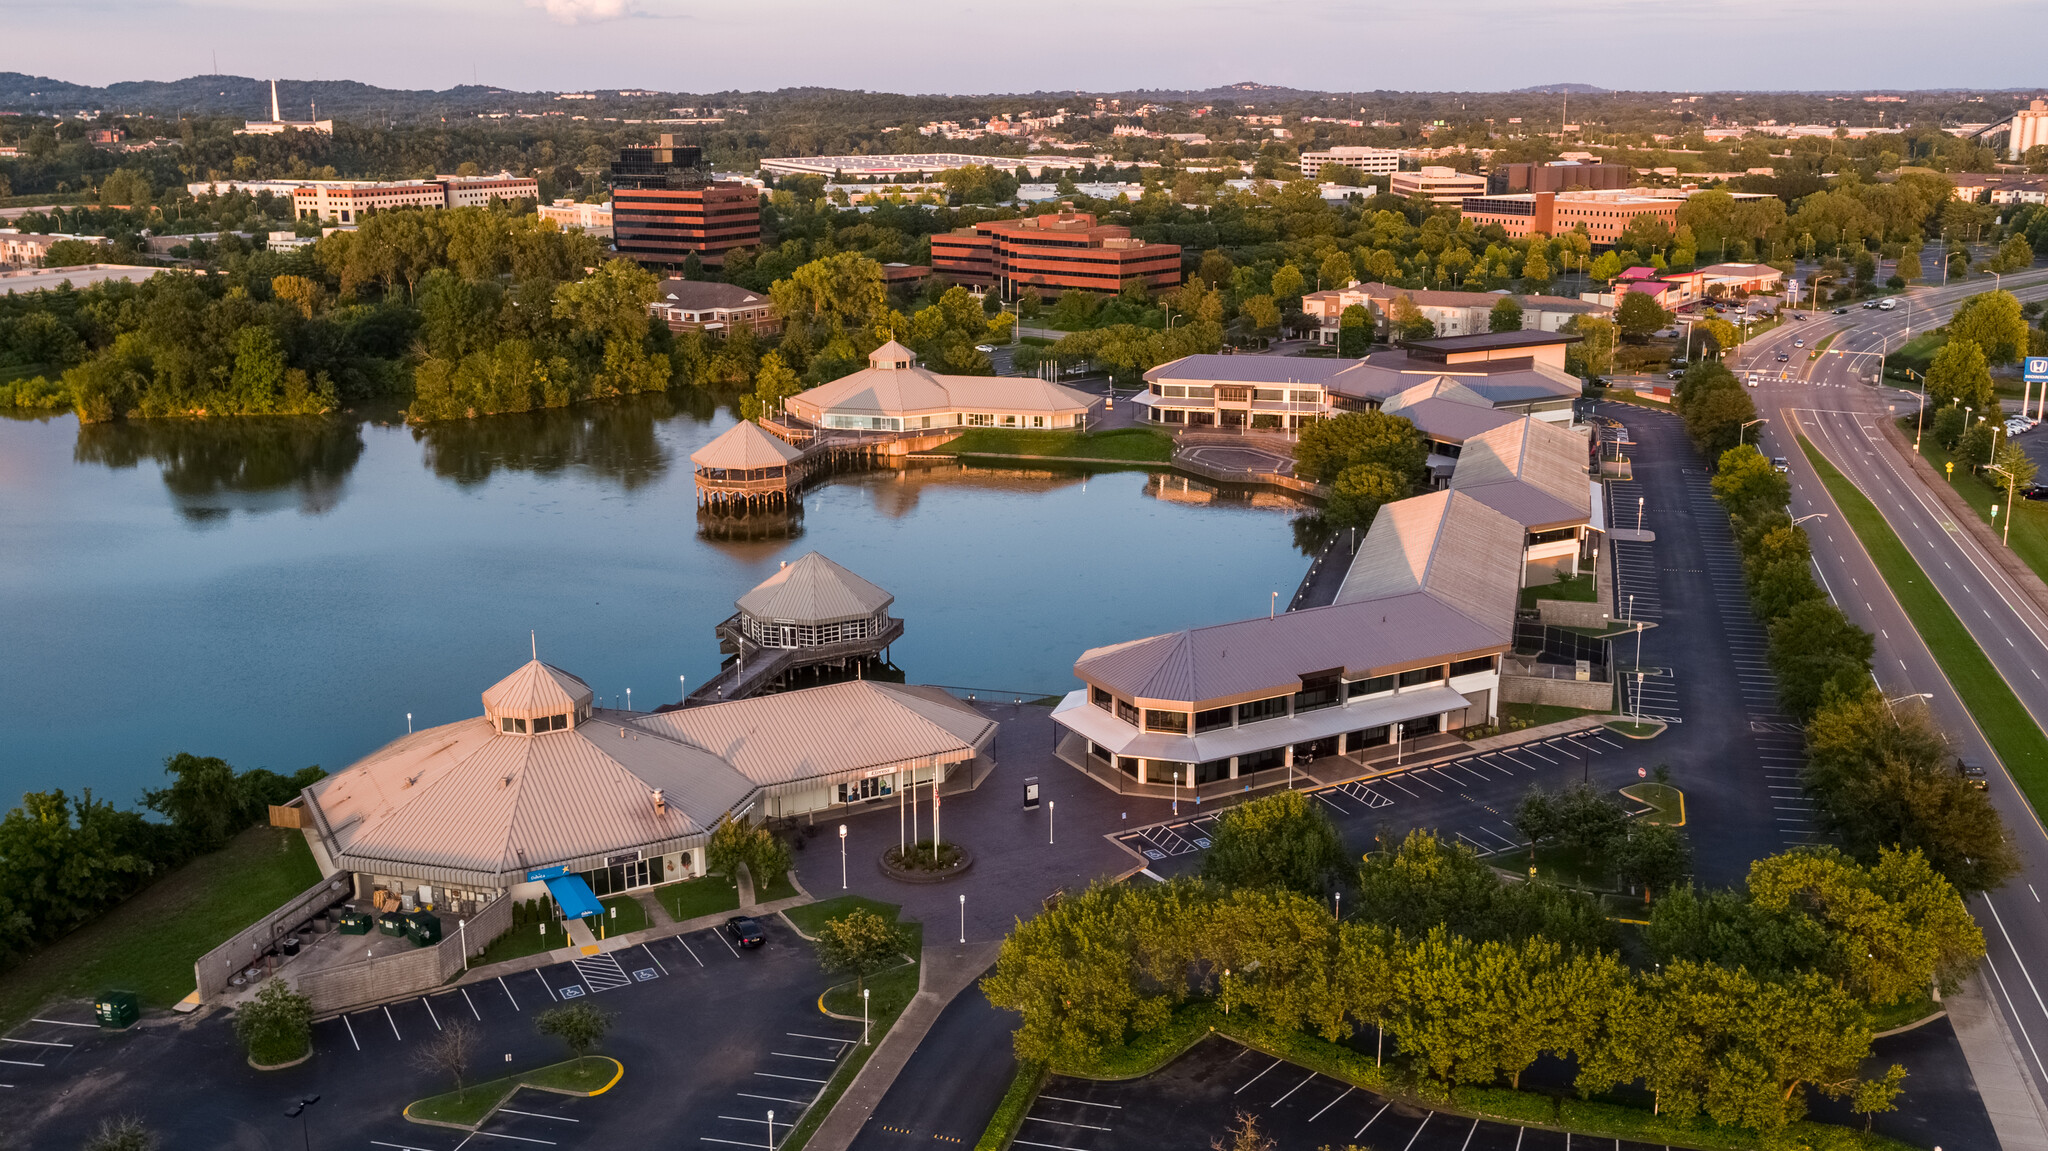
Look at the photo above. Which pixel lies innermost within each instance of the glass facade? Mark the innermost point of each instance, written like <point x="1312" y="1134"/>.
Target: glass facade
<point x="769" y="633"/>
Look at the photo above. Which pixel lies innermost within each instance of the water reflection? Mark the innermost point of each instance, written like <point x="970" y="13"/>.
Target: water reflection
<point x="249" y="464"/>
<point x="615" y="440"/>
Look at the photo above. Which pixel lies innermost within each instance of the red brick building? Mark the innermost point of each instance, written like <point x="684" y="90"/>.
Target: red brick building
<point x="1052" y="253"/>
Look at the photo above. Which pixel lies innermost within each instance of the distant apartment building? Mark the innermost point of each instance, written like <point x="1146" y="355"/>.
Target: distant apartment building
<point x="1053" y="253"/>
<point x="1453" y="313"/>
<point x="701" y="305"/>
<point x="667" y="208"/>
<point x="1606" y="215"/>
<point x="889" y="167"/>
<point x="1440" y="185"/>
<point x="595" y="219"/>
<point x="2001" y="188"/>
<point x="1557" y="176"/>
<point x="1371" y="161"/>
<point x="349" y="201"/>
<point x="20" y="249"/>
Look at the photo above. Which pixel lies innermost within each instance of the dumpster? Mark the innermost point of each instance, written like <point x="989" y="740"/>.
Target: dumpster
<point x="423" y="928"/>
<point x="391" y="923"/>
<point x="117" y="1008"/>
<point x="355" y="922"/>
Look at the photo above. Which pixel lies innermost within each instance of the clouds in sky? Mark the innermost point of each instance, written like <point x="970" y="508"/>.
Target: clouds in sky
<point x="1054" y="45"/>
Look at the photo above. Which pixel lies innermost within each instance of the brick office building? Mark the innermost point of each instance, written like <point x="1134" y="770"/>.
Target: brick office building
<point x="1052" y="253"/>
<point x="666" y="208"/>
<point x="1606" y="215"/>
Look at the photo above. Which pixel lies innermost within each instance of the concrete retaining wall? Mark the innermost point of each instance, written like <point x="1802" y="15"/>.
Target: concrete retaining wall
<point x="1571" y="613"/>
<point x="216" y="967"/>
<point x="1589" y="694"/>
<point x="370" y="981"/>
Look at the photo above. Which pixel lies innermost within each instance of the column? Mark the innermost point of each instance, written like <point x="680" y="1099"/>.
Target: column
<point x="1233" y="767"/>
<point x="1141" y="771"/>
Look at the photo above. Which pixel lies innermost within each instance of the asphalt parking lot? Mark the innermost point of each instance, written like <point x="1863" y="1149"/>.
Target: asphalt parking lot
<point x="711" y="1038"/>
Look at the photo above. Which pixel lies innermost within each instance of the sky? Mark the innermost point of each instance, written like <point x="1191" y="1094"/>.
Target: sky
<point x="973" y="46"/>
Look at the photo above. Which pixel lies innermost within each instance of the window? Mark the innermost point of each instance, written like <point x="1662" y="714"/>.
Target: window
<point x="1099" y="698"/>
<point x="1468" y="666"/>
<point x="1177" y="391"/>
<point x="1195" y="393"/>
<point x="512" y="725"/>
<point x="1100" y="752"/>
<point x="1212" y="719"/>
<point x="1212" y="770"/>
<point x="1258" y="761"/>
<point x="1315" y="749"/>
<point x="1305" y="397"/>
<point x="1009" y="421"/>
<point x="1422" y="675"/>
<point x="865" y="789"/>
<point x="1127" y="712"/>
<point x="1038" y="421"/>
<point x="1373" y="686"/>
<point x="1427" y="725"/>
<point x="1172" y="721"/>
<point x="1259" y="709"/>
<point x="1316" y="694"/>
<point x="550" y="723"/>
<point x="980" y="420"/>
<point x="1370" y="737"/>
<point x="1269" y="394"/>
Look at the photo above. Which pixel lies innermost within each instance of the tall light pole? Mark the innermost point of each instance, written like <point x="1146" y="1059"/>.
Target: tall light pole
<point x="1744" y="430"/>
<point x="2006" y="535"/>
<point x="842" y="857"/>
<point x="298" y="1111"/>
<point x="864" y="1016"/>
<point x="1049" y="805"/>
<point x="963" y="919"/>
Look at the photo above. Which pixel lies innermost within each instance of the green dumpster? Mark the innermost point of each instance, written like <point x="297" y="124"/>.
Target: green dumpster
<point x="423" y="928"/>
<point x="117" y="1008"/>
<point x="391" y="923"/>
<point x="356" y="922"/>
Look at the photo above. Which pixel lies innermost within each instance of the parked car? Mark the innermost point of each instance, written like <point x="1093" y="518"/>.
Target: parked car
<point x="2035" y="492"/>
<point x="746" y="931"/>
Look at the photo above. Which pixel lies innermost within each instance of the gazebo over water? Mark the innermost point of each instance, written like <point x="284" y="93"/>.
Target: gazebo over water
<point x="810" y="615"/>
<point x="747" y="468"/>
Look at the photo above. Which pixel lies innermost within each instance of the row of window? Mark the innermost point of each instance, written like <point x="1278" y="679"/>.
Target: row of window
<point x="1251" y="763"/>
<point x="541" y="723"/>
<point x="1237" y="394"/>
<point x="1315" y="694"/>
<point x="794" y="635"/>
<point x="954" y="419"/>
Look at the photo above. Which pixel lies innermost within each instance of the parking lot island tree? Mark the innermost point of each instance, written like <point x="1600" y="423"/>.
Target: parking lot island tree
<point x="275" y="1027"/>
<point x="1278" y="841"/>
<point x="859" y="944"/>
<point x="580" y="1026"/>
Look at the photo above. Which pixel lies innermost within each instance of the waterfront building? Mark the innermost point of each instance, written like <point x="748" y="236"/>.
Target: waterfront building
<point x="810" y="614"/>
<point x="1410" y="650"/>
<point x="667" y="208"/>
<point x="1453" y="313"/>
<point x="894" y="394"/>
<point x="1536" y="474"/>
<point x="1518" y="372"/>
<point x="746" y="468"/>
<point x="705" y="305"/>
<point x="1053" y="253"/>
<point x="546" y="784"/>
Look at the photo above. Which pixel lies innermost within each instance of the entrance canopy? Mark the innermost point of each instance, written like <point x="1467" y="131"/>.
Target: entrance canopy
<point x="575" y="897"/>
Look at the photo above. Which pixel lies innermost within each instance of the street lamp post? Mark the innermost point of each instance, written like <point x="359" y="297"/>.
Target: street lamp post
<point x="963" y="919"/>
<point x="298" y="1111"/>
<point x="842" y="857"/>
<point x="1049" y="806"/>
<point x="2005" y="536"/>
<point x="864" y="1016"/>
<point x="1743" y="431"/>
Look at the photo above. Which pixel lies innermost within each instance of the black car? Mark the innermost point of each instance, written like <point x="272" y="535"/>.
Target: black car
<point x="1841" y="311"/>
<point x="746" y="931"/>
<point x="2035" y="492"/>
<point x="1782" y="357"/>
<point x="1974" y="773"/>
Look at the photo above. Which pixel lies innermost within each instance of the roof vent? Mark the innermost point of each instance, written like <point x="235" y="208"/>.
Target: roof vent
<point x="660" y="802"/>
<point x="505" y="782"/>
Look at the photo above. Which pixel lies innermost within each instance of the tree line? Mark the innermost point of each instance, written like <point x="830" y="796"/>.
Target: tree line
<point x="1743" y="1003"/>
<point x="1881" y="777"/>
<point x="65" y="860"/>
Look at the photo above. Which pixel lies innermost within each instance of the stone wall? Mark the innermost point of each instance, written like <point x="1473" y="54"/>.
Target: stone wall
<point x="1591" y="695"/>
<point x="370" y="981"/>
<point x="213" y="969"/>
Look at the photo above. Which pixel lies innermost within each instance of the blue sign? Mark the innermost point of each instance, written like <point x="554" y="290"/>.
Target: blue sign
<point x="548" y="872"/>
<point x="2037" y="369"/>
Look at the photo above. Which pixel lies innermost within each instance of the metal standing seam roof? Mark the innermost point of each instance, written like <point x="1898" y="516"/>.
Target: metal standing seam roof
<point x="882" y="389"/>
<point x="744" y="447"/>
<point x="813" y="590"/>
<point x="702" y="295"/>
<point x="820" y="732"/>
<point x="1383" y="375"/>
<point x="1218" y="369"/>
<point x="1448" y="547"/>
<point x="536" y="689"/>
<point x="1531" y="471"/>
<point x="1449" y="420"/>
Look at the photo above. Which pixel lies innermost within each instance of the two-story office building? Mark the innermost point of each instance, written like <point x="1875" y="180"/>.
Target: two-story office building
<point x="1410" y="649"/>
<point x="1053" y="253"/>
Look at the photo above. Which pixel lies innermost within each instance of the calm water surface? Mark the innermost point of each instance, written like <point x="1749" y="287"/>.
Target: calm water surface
<point x="283" y="593"/>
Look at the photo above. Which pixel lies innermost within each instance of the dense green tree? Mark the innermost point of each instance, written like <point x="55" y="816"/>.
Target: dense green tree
<point x="1745" y="482"/>
<point x="276" y="1026"/>
<point x="1638" y="315"/>
<point x="859" y="944"/>
<point x="1992" y="321"/>
<point x="1505" y="316"/>
<point x="1327" y="448"/>
<point x="1360" y="491"/>
<point x="1816" y="651"/>
<point x="1653" y="855"/>
<point x="580" y="1026"/>
<point x="1354" y="331"/>
<point x="1277" y="841"/>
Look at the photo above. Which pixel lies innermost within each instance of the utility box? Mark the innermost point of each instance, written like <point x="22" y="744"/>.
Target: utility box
<point x="1030" y="793"/>
<point x="355" y="922"/>
<point x="1583" y="671"/>
<point x="117" y="1009"/>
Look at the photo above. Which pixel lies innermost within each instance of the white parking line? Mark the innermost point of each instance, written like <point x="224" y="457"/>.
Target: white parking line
<point x="724" y="940"/>
<point x="1292" y="1090"/>
<point x="1375" y="1118"/>
<point x="393" y="1023"/>
<point x="1331" y="1103"/>
<point x="430" y="1012"/>
<point x="1064" y="1123"/>
<point x="798" y="1078"/>
<point x="814" y="1058"/>
<point x="508" y="992"/>
<point x="22" y="1063"/>
<point x="657" y="959"/>
<point x="544" y="983"/>
<point x="351" y="1033"/>
<point x="37" y="1042"/>
<point x="824" y="1039"/>
<point x="538" y="1115"/>
<point x="772" y="1098"/>
<point x="686" y="949"/>
<point x="472" y="1006"/>
<point x="1256" y="1078"/>
<point x="1082" y="1102"/>
<point x="518" y="1138"/>
<point x="64" y="1023"/>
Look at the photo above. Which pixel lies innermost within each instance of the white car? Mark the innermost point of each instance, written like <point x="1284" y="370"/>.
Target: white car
<point x="984" y="348"/>
<point x="1751" y="380"/>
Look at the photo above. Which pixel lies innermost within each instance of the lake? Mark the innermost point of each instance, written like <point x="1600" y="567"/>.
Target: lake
<point x="283" y="592"/>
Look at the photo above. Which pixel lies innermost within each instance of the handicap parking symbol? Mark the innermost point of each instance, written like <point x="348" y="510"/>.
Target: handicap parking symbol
<point x="644" y="974"/>
<point x="1154" y="853"/>
<point x="572" y="992"/>
<point x="1203" y="844"/>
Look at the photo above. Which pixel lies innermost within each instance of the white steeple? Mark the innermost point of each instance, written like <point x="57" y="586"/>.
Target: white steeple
<point x="274" y="117"/>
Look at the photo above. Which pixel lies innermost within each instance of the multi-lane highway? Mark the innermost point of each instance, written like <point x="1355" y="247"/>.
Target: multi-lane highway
<point x="1834" y="402"/>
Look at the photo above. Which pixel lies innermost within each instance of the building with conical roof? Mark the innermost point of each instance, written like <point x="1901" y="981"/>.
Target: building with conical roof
<point x="745" y="468"/>
<point x="810" y="614"/>
<point x="894" y="394"/>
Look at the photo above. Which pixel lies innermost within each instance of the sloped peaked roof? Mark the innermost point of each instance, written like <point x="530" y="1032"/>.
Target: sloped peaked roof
<point x="1449" y="547"/>
<point x="823" y="731"/>
<point x="1531" y="471"/>
<point x="813" y="590"/>
<point x="1435" y="388"/>
<point x="536" y="689"/>
<point x="879" y="391"/>
<point x="743" y="447"/>
<point x="891" y="354"/>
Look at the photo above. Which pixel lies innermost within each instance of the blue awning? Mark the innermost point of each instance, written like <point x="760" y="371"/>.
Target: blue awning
<point x="575" y="897"/>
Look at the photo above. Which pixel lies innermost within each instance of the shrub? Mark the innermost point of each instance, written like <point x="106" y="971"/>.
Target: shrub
<point x="276" y="1026"/>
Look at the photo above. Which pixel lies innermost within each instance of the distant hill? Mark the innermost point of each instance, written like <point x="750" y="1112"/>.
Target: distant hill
<point x="1560" y="89"/>
<point x="246" y="96"/>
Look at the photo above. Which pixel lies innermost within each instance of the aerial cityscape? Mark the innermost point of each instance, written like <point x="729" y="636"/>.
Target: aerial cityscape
<point x="1416" y="609"/>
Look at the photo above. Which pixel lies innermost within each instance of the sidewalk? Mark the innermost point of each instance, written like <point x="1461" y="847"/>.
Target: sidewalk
<point x="1996" y="1064"/>
<point x="947" y="970"/>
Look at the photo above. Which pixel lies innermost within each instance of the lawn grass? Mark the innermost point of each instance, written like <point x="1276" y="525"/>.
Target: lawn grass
<point x="1575" y="589"/>
<point x="469" y="1107"/>
<point x="2014" y="736"/>
<point x="889" y="993"/>
<point x="2029" y="536"/>
<point x="1916" y="354"/>
<point x="1643" y="730"/>
<point x="1667" y="801"/>
<point x="148" y="944"/>
<point x="622" y="913"/>
<point x="1133" y="445"/>
<point x="782" y="888"/>
<point x="1538" y="714"/>
<point x="522" y="941"/>
<point x="1912" y="1009"/>
<point x="1821" y="348"/>
<point x="812" y="916"/>
<point x="692" y="898"/>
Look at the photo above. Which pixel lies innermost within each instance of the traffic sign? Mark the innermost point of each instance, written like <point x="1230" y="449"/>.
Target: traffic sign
<point x="2037" y="369"/>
